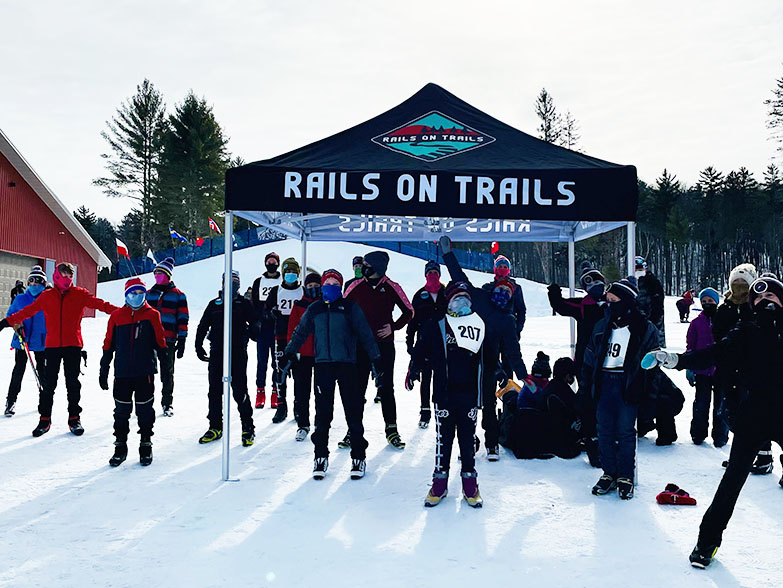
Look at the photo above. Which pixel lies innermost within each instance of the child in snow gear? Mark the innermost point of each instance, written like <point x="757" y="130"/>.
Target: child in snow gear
<point x="684" y="305"/>
<point x="651" y="297"/>
<point x="428" y="302"/>
<point x="62" y="306"/>
<point x="336" y="325"/>
<point x="700" y="336"/>
<point x="453" y="347"/>
<point x="501" y="342"/>
<point x="17" y="289"/>
<point x="611" y="375"/>
<point x="755" y="346"/>
<point x="33" y="330"/>
<point x="357" y="264"/>
<point x="242" y="328"/>
<point x="303" y="365"/>
<point x="172" y="304"/>
<point x="133" y="336"/>
<point x="513" y="304"/>
<point x="377" y="296"/>
<point x="265" y="324"/>
<point x="279" y="304"/>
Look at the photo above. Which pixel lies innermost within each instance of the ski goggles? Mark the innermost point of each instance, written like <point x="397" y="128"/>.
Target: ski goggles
<point x="36" y="280"/>
<point x="763" y="284"/>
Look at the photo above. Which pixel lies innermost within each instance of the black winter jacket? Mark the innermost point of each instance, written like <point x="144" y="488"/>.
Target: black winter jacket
<point x="516" y="306"/>
<point x="424" y="309"/>
<point x="587" y="313"/>
<point x="211" y="324"/>
<point x="650" y="301"/>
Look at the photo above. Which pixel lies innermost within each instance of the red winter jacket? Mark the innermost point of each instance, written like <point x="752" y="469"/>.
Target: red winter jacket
<point x="377" y="303"/>
<point x="300" y="306"/>
<point x="63" y="314"/>
<point x="133" y="336"/>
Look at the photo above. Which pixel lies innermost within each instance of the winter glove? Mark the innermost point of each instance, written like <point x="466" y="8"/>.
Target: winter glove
<point x="200" y="353"/>
<point x="103" y="374"/>
<point x="501" y="378"/>
<point x="445" y="245"/>
<point x="659" y="358"/>
<point x="103" y="380"/>
<point x="377" y="373"/>
<point x="554" y="290"/>
<point x="3" y="324"/>
<point x="412" y="376"/>
<point x="284" y="365"/>
<point x="691" y="377"/>
<point x="84" y="357"/>
<point x="180" y="347"/>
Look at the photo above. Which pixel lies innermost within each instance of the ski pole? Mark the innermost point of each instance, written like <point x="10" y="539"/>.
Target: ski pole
<point x="23" y="341"/>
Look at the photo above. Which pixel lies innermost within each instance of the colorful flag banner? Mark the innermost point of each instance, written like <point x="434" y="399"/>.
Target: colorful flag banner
<point x="214" y="227"/>
<point x="122" y="249"/>
<point x="175" y="235"/>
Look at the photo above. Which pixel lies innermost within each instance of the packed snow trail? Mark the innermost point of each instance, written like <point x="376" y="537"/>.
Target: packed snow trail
<point x="68" y="519"/>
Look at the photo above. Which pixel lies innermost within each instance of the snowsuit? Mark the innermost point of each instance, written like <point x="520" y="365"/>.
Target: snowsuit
<point x="728" y="382"/>
<point x="699" y="337"/>
<point x="336" y="328"/>
<point x="265" y="346"/>
<point x="755" y="347"/>
<point x="133" y="337"/>
<point x="279" y="304"/>
<point x="35" y="335"/>
<point x="303" y="366"/>
<point x="684" y="306"/>
<point x="377" y="303"/>
<point x="650" y="301"/>
<point x="63" y="313"/>
<point x="425" y="307"/>
<point x="454" y="352"/>
<point x="172" y="304"/>
<point x="243" y="328"/>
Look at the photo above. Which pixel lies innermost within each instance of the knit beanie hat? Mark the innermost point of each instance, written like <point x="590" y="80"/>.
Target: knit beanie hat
<point x="37" y="272"/>
<point x="134" y="284"/>
<point x="710" y="293"/>
<point x="624" y="289"/>
<point x="290" y="265"/>
<point x="590" y="275"/>
<point x="331" y="273"/>
<point x="639" y="262"/>
<point x="431" y="265"/>
<point x="501" y="260"/>
<point x="767" y="282"/>
<point x="358" y="260"/>
<point x="455" y="288"/>
<point x="312" y="278"/>
<point x="563" y="367"/>
<point x="504" y="282"/>
<point x="745" y="272"/>
<point x="272" y="255"/>
<point x="378" y="260"/>
<point x="166" y="266"/>
<point x="541" y="368"/>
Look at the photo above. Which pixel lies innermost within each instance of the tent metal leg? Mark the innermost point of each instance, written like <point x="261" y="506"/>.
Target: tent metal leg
<point x="572" y="288"/>
<point x="304" y="256"/>
<point x="227" y="343"/>
<point x="631" y="232"/>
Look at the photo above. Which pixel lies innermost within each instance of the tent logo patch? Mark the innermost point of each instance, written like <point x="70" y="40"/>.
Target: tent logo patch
<point x="432" y="137"/>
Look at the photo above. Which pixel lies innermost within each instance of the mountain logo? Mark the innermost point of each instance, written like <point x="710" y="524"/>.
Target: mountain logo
<point x="433" y="136"/>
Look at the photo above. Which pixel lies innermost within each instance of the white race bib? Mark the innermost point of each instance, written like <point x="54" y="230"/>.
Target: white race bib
<point x="618" y="347"/>
<point x="286" y="299"/>
<point x="468" y="331"/>
<point x="265" y="286"/>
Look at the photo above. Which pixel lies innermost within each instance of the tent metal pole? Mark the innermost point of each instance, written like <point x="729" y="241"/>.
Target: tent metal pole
<point x="304" y="256"/>
<point x="572" y="287"/>
<point x="631" y="232"/>
<point x="227" y="311"/>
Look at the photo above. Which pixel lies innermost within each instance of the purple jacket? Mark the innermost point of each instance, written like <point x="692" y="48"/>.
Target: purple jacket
<point x="700" y="336"/>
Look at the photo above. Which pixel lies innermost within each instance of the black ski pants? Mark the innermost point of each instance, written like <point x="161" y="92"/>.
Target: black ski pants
<point x="456" y="417"/>
<point x="166" y="359"/>
<point x="327" y="375"/>
<point x="69" y="357"/>
<point x="364" y="366"/>
<point x="278" y="356"/>
<point x="489" y="414"/>
<point x="706" y="392"/>
<point x="238" y="386"/>
<point x="426" y="387"/>
<point x="143" y="388"/>
<point x="20" y="364"/>
<point x="303" y="385"/>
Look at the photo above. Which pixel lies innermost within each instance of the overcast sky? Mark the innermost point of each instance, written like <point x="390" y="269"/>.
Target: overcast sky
<point x="677" y="85"/>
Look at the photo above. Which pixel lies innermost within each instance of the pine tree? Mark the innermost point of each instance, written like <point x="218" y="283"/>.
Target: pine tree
<point x="775" y="113"/>
<point x="550" y="129"/>
<point x="569" y="136"/>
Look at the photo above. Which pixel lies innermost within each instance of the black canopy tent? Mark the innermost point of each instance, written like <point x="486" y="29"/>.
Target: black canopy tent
<point x="432" y="165"/>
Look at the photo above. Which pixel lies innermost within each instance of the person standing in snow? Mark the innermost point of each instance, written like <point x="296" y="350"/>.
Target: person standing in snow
<point x="336" y="325"/>
<point x="17" y="289"/>
<point x="242" y="329"/>
<point x="358" y="266"/>
<point x="279" y="305"/>
<point x="34" y="332"/>
<point x="265" y="347"/>
<point x="700" y="337"/>
<point x="63" y="307"/>
<point x="378" y="296"/>
<point x="515" y="305"/>
<point x="684" y="304"/>
<point x="612" y="376"/>
<point x="651" y="297"/>
<point x="303" y="365"/>
<point x="133" y="337"/>
<point x="755" y="346"/>
<point x="453" y="347"/>
<point x="172" y="304"/>
<point x="428" y="302"/>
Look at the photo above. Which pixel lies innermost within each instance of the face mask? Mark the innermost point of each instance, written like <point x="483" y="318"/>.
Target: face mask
<point x="271" y="268"/>
<point x="358" y="271"/>
<point x="502" y="271"/>
<point x="367" y="271"/>
<point x="596" y="291"/>
<point x="313" y="291"/>
<point x="639" y="273"/>
<point x="135" y="300"/>
<point x="709" y="309"/>
<point x="35" y="289"/>
<point x="291" y="278"/>
<point x="62" y="282"/>
<point x="618" y="309"/>
<point x="460" y="306"/>
<point x="432" y="284"/>
<point x="740" y="289"/>
<point x="331" y="292"/>
<point x="500" y="297"/>
<point x="234" y="289"/>
<point x="161" y="278"/>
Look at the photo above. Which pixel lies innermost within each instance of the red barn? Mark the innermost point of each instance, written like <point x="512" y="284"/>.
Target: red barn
<point x="36" y="228"/>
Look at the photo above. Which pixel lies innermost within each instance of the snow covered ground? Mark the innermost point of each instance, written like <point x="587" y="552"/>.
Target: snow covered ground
<point x="67" y="519"/>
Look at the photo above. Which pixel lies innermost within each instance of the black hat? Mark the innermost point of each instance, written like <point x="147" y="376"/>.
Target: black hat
<point x="764" y="283"/>
<point x="624" y="289"/>
<point x="564" y="366"/>
<point x="431" y="265"/>
<point x="378" y="260"/>
<point x="590" y="275"/>
<point x="358" y="260"/>
<point x="541" y="368"/>
<point x="455" y="288"/>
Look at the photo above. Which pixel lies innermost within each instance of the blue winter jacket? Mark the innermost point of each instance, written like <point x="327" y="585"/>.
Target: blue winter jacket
<point x="34" y="328"/>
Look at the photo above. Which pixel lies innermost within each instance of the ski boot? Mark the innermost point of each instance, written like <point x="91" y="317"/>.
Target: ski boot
<point x="120" y="453"/>
<point x="301" y="433"/>
<point x="439" y="489"/>
<point x="393" y="437"/>
<point x="75" y="425"/>
<point x="470" y="489"/>
<point x="10" y="408"/>
<point x="763" y="464"/>
<point x="260" y="397"/>
<point x="604" y="485"/>
<point x="273" y="399"/>
<point x="702" y="555"/>
<point x="43" y="426"/>
<point x="281" y="413"/>
<point x="145" y="451"/>
<point x="493" y="453"/>
<point x="248" y="438"/>
<point x="320" y="465"/>
<point x="358" y="466"/>
<point x="168" y="410"/>
<point x="625" y="488"/>
<point x="377" y="398"/>
<point x="424" y="418"/>
<point x="210" y="436"/>
<point x="346" y="442"/>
